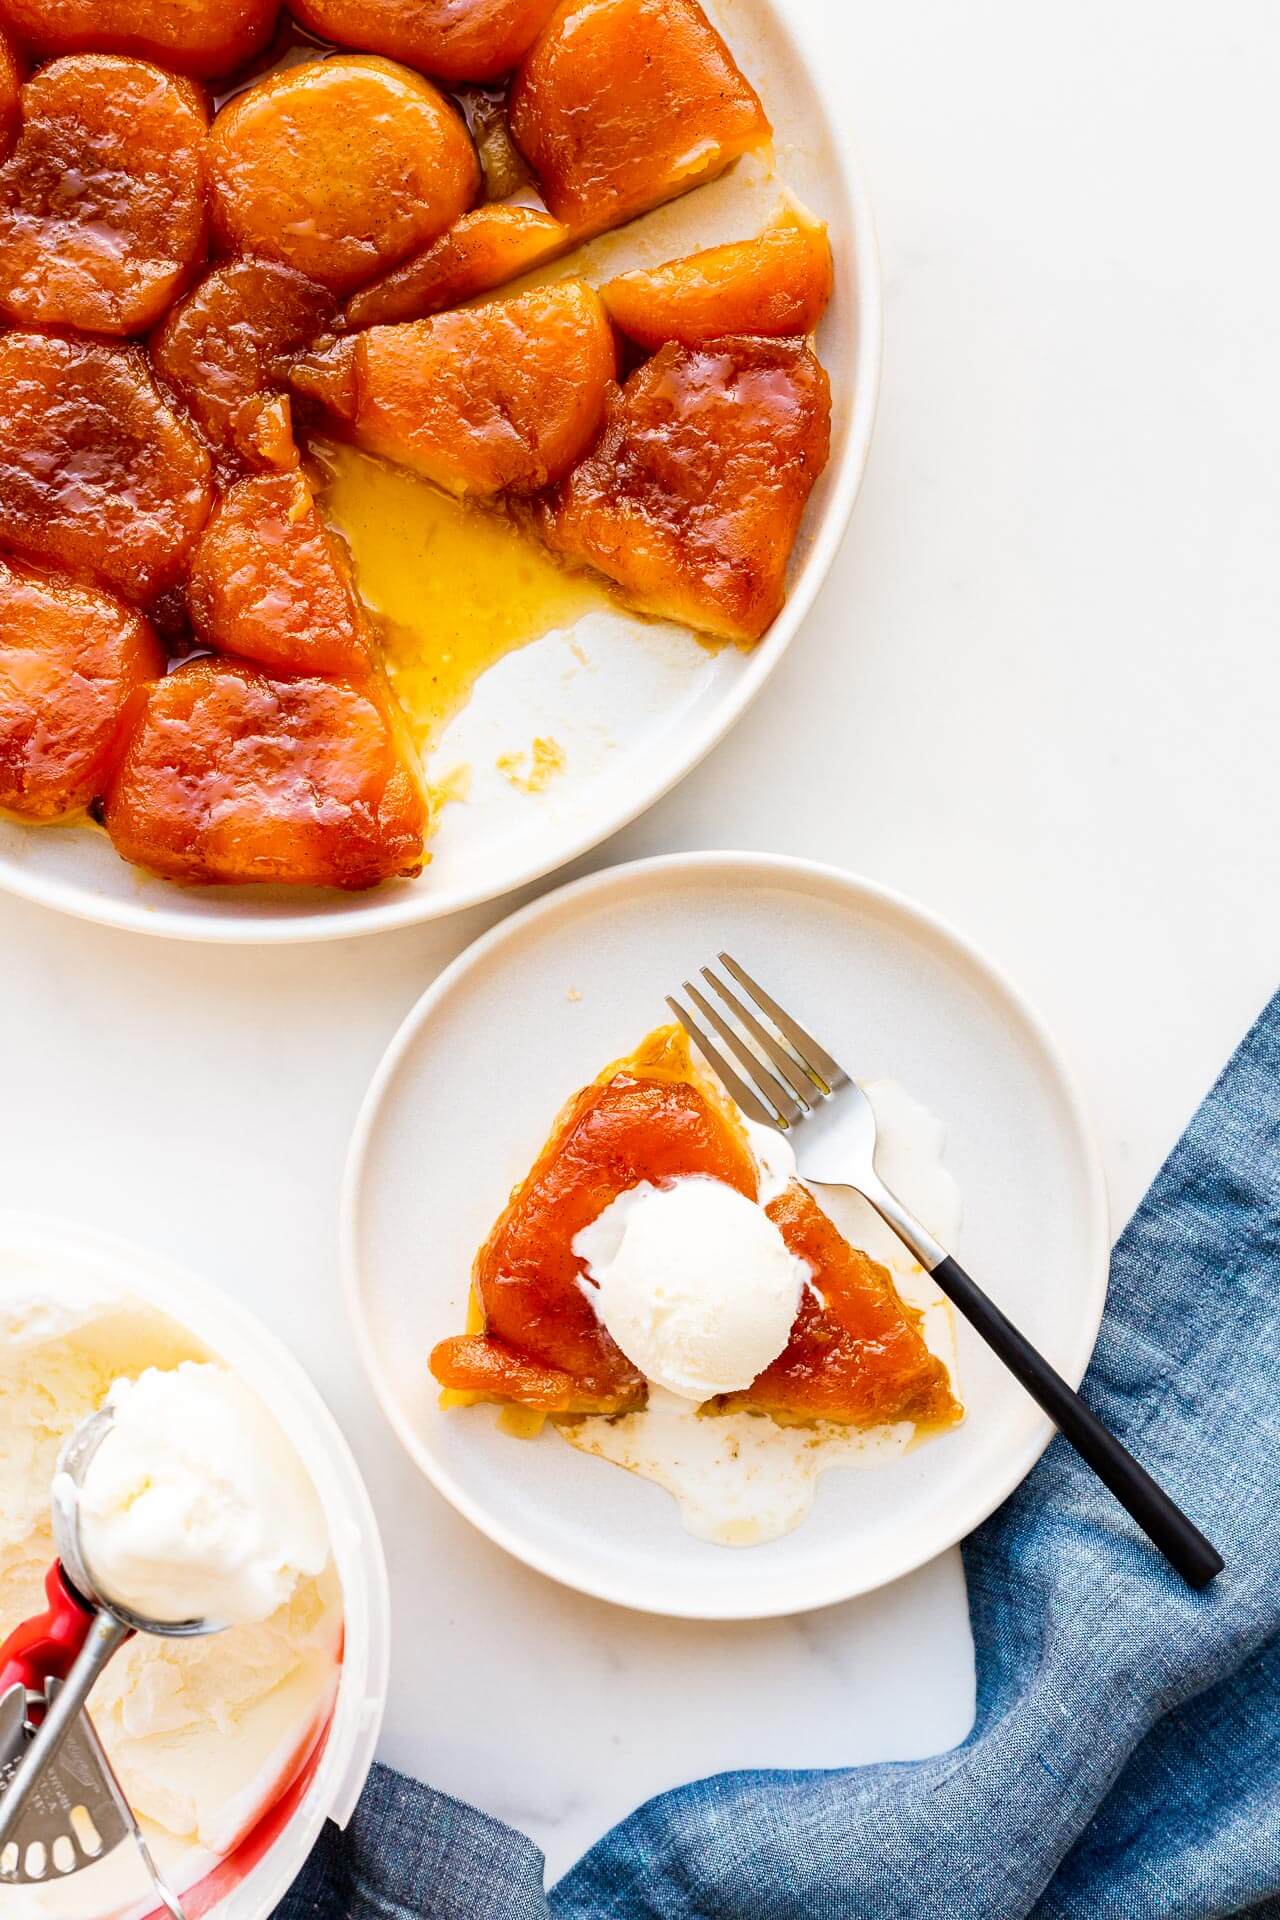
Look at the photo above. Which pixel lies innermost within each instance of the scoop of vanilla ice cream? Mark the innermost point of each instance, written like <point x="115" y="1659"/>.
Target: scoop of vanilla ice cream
<point x="203" y="1734"/>
<point x="694" y="1282"/>
<point x="59" y="1353"/>
<point x="195" y="1505"/>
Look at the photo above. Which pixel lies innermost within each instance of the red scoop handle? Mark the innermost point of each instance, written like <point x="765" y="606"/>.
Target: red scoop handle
<point x="45" y="1647"/>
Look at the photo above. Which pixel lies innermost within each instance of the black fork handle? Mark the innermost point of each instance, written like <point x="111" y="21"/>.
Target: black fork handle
<point x="1165" y="1525"/>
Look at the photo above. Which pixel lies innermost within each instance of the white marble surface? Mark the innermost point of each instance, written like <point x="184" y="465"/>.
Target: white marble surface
<point x="1041" y="692"/>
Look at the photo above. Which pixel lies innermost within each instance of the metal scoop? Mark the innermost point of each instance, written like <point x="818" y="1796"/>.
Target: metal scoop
<point x="52" y="1767"/>
<point x="76" y="1812"/>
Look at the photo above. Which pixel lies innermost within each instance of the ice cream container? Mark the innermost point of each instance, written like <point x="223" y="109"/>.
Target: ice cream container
<point x="63" y="1262"/>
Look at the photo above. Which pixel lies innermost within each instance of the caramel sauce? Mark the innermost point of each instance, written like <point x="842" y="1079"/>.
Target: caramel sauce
<point x="455" y="587"/>
<point x="534" y="771"/>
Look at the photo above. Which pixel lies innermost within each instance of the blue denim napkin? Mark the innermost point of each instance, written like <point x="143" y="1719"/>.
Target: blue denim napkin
<point x="1125" y="1763"/>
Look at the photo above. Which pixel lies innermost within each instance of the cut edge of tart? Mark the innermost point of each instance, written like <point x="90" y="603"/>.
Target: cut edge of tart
<point x="856" y="1358"/>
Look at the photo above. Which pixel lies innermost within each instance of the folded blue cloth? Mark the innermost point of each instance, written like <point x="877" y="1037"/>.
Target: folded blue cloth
<point x="1125" y="1764"/>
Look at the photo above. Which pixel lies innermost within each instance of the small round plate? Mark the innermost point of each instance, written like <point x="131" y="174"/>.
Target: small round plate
<point x="470" y="1088"/>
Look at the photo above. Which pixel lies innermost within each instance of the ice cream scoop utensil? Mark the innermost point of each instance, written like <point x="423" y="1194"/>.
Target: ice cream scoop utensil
<point x="72" y="1816"/>
<point x="32" y="1661"/>
<point x="76" y="1813"/>
<point x="71" y="1645"/>
<point x="60" y="1713"/>
<point x="123" y="1813"/>
<point x="71" y="1811"/>
<point x="792" y="1083"/>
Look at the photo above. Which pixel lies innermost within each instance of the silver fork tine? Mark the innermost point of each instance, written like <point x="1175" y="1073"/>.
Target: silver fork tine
<point x="815" y="1058"/>
<point x="766" y="1083"/>
<point x="737" y="1086"/>
<point x="803" y="1085"/>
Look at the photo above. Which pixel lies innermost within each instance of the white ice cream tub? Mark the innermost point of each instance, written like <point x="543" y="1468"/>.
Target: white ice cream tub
<point x="59" y="1257"/>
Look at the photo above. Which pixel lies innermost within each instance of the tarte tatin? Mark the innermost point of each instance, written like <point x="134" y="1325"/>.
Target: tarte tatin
<point x="220" y="234"/>
<point x="856" y="1355"/>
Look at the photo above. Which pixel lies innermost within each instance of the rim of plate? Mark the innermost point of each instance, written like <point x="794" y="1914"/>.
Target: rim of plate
<point x="419" y="904"/>
<point x="767" y="867"/>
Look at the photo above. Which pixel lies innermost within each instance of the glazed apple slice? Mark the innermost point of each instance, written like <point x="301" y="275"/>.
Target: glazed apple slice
<point x="74" y="661"/>
<point x="480" y="1366"/>
<point x="230" y="342"/>
<point x="487" y="247"/>
<point x="339" y="168"/>
<point x="622" y="104"/>
<point x="143" y="485"/>
<point x="856" y="1352"/>
<point x="200" y="37"/>
<point x="503" y="396"/>
<point x="102" y="202"/>
<point x="456" y="40"/>
<point x="231" y="775"/>
<point x="693" y="494"/>
<point x="270" y="582"/>
<point x="777" y="284"/>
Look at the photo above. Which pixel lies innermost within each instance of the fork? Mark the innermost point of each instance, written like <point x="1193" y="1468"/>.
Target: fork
<point x="801" y="1090"/>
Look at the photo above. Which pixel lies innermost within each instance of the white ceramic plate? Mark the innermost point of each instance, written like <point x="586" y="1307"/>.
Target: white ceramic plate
<point x="650" y="701"/>
<point x="468" y="1092"/>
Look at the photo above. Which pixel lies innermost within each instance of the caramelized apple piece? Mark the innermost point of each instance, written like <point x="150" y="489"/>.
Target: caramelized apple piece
<point x="487" y="247"/>
<point x="328" y="373"/>
<point x="693" y="494"/>
<point x="475" y="1363"/>
<point x="778" y="283"/>
<point x="232" y="340"/>
<point x="97" y="474"/>
<point x="73" y="662"/>
<point x="264" y="433"/>
<point x="200" y="37"/>
<point x="454" y="39"/>
<point x="102" y="202"/>
<point x="232" y="776"/>
<point x="269" y="582"/>
<point x="855" y="1353"/>
<point x="506" y="395"/>
<point x="339" y="168"/>
<point x="622" y="104"/>
<point x="526" y="1275"/>
<point x="10" y="96"/>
